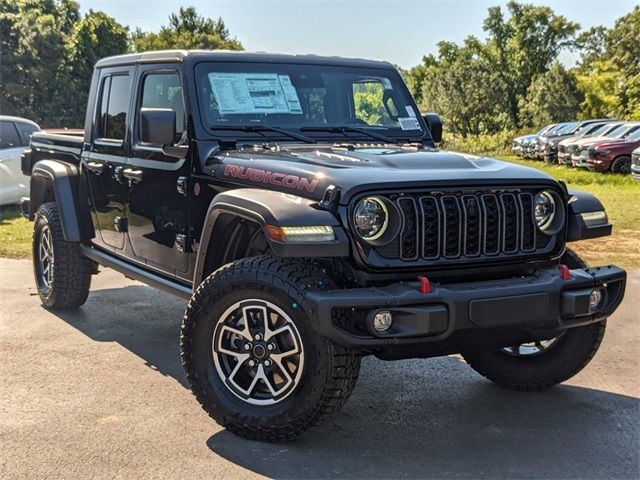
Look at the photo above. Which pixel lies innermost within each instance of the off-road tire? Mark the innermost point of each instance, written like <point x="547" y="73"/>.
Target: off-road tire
<point x="72" y="271"/>
<point x="329" y="374"/>
<point x="564" y="359"/>
<point x="621" y="165"/>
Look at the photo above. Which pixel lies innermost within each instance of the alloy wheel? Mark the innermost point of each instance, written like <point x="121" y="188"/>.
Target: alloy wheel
<point x="258" y="352"/>
<point x="45" y="258"/>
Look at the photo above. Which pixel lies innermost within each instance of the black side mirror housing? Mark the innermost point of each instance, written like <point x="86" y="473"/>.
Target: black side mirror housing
<point x="157" y="126"/>
<point x="434" y="123"/>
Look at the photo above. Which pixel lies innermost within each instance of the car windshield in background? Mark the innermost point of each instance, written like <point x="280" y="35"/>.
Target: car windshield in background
<point x="622" y="131"/>
<point x="314" y="98"/>
<point x="634" y="135"/>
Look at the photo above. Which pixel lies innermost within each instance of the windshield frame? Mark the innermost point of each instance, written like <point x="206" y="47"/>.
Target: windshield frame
<point x="202" y="68"/>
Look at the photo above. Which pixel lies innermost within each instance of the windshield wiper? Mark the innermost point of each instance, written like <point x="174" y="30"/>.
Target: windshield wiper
<point x="347" y="128"/>
<point x="265" y="128"/>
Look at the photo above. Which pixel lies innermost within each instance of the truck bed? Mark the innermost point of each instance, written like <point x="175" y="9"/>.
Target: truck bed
<point x="50" y="146"/>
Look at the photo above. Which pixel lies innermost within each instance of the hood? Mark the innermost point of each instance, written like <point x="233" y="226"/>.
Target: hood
<point x="308" y="170"/>
<point x="523" y="138"/>
<point x="617" y="144"/>
<point x="585" y="142"/>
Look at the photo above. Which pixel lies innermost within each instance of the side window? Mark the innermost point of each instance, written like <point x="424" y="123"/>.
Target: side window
<point x="26" y="129"/>
<point x="9" y="137"/>
<point x="164" y="90"/>
<point x="369" y="104"/>
<point x="114" y="103"/>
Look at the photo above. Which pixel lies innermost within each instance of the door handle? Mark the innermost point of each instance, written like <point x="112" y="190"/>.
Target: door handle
<point x="96" y="167"/>
<point x="134" y="176"/>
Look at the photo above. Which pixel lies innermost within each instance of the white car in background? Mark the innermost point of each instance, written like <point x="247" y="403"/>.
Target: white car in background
<point x="14" y="139"/>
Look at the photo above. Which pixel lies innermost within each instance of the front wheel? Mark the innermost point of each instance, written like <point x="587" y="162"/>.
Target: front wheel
<point x="252" y="357"/>
<point x="621" y="165"/>
<point x="538" y="365"/>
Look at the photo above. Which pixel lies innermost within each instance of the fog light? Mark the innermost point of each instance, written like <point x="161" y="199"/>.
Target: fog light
<point x="595" y="299"/>
<point x="382" y="321"/>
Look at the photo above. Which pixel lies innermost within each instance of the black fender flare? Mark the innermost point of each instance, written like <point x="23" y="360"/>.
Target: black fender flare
<point x="581" y="202"/>
<point x="266" y="207"/>
<point x="62" y="178"/>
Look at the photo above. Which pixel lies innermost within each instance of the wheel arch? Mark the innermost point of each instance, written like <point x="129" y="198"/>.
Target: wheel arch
<point x="253" y="210"/>
<point x="57" y="181"/>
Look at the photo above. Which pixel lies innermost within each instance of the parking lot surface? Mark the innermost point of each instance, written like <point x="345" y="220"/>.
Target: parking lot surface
<point x="100" y="393"/>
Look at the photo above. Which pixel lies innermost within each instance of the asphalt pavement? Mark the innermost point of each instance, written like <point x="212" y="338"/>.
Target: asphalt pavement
<point x="100" y="393"/>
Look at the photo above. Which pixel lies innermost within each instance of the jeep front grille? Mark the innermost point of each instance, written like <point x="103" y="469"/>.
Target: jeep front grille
<point x="461" y="226"/>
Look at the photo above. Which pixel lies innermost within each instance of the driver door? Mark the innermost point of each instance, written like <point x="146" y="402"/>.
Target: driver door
<point x="157" y="196"/>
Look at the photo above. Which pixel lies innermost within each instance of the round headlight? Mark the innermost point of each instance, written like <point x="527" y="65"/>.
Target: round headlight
<point x="545" y="209"/>
<point x="371" y="218"/>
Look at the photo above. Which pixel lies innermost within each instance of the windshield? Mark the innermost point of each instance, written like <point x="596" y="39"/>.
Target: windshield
<point x="602" y="130"/>
<point x="312" y="97"/>
<point x="622" y="131"/>
<point x="589" y="130"/>
<point x="633" y="133"/>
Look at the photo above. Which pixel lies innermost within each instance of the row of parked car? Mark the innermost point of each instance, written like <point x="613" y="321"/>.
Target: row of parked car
<point x="601" y="145"/>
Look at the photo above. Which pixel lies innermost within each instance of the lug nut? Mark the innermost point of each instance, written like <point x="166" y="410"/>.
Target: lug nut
<point x="252" y="363"/>
<point x="258" y="336"/>
<point x="247" y="346"/>
<point x="271" y="347"/>
<point x="267" y="363"/>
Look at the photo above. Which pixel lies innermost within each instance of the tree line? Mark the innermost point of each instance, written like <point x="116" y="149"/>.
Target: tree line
<point x="510" y="80"/>
<point x="513" y="79"/>
<point x="48" y="49"/>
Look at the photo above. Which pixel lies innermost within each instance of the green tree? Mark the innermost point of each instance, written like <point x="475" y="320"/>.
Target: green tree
<point x="186" y="30"/>
<point x="32" y="48"/>
<point x="94" y="37"/>
<point x="609" y="71"/>
<point x="47" y="53"/>
<point x="552" y="97"/>
<point x="524" y="45"/>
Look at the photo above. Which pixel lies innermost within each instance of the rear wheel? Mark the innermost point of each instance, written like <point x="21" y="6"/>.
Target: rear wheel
<point x="62" y="273"/>
<point x="621" y="165"/>
<point x="541" y="364"/>
<point x="252" y="357"/>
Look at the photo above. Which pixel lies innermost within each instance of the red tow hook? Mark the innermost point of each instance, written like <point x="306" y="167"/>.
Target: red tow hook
<point x="565" y="274"/>
<point x="425" y="286"/>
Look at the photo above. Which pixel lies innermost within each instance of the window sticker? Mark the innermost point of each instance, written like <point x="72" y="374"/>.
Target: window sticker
<point x="410" y="111"/>
<point x="254" y="93"/>
<point x="409" y="123"/>
<point x="386" y="83"/>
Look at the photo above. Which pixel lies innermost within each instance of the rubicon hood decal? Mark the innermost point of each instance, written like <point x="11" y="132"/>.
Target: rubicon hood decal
<point x="258" y="175"/>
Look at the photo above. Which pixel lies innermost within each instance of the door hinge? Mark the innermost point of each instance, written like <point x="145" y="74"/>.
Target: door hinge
<point x="120" y="224"/>
<point x="181" y="185"/>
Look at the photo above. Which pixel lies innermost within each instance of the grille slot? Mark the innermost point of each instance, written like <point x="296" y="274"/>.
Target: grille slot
<point x="455" y="226"/>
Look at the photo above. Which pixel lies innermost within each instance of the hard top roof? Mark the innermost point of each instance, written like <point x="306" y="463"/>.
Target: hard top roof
<point x="169" y="56"/>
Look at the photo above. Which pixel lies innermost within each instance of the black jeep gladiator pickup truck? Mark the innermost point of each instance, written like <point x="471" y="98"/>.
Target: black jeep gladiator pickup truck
<point x="301" y="206"/>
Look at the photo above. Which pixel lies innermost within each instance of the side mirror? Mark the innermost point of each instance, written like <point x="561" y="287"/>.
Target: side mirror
<point x="435" y="126"/>
<point x="157" y="126"/>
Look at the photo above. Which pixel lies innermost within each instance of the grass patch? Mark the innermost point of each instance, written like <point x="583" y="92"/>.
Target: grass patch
<point x="620" y="195"/>
<point x="15" y="233"/>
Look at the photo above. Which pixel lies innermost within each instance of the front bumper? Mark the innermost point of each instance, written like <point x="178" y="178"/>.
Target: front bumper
<point x="635" y="171"/>
<point x="542" y="301"/>
<point x="598" y="164"/>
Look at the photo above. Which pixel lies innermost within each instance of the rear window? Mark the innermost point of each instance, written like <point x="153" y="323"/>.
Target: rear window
<point x="114" y="103"/>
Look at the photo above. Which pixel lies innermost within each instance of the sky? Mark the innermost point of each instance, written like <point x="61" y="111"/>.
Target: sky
<point x="399" y="31"/>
